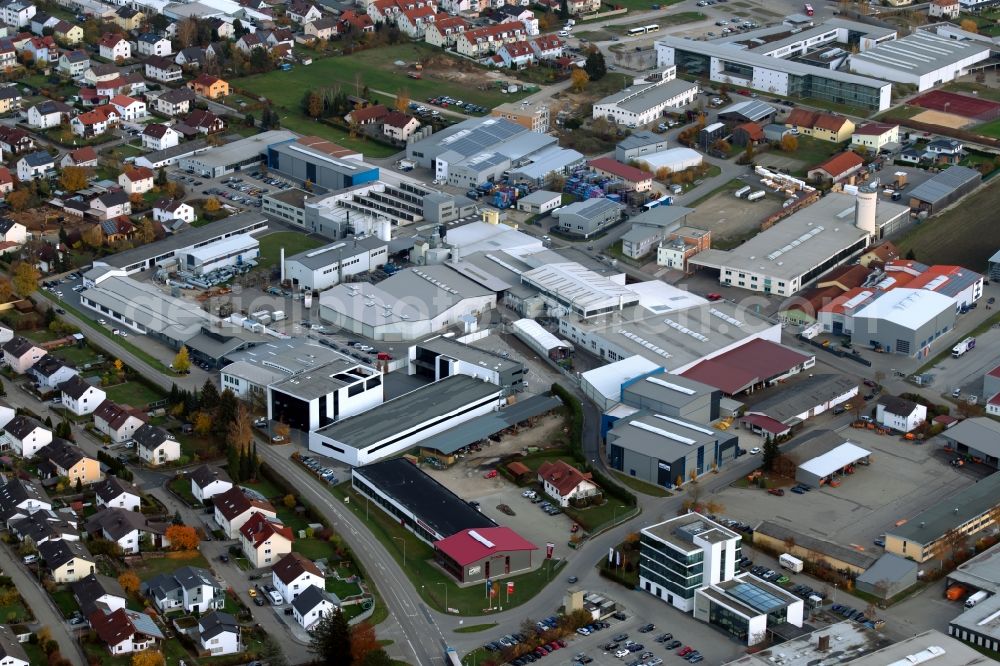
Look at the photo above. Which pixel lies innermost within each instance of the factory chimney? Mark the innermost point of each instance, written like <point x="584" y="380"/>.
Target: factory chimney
<point x="282" y="262"/>
<point x="864" y="209"/>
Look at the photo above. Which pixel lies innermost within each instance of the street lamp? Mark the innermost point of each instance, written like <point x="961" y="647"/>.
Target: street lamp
<point x="445" y="586"/>
<point x="614" y="514"/>
<point x="400" y="540"/>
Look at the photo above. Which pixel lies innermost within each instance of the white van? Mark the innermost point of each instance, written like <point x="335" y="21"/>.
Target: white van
<point x="30" y="559"/>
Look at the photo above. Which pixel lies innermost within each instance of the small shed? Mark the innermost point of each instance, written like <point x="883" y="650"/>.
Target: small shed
<point x="889" y="576"/>
<point x="518" y="470"/>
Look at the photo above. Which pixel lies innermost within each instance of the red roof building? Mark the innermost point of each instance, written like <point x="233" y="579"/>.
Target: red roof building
<point x="839" y="167"/>
<point x="640" y="180"/>
<point x="565" y="483"/>
<point x="764" y="425"/>
<point x="484" y="553"/>
<point x="758" y="362"/>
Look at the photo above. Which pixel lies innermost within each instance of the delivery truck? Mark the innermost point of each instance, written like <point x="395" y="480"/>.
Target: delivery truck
<point x="962" y="347"/>
<point x="791" y="563"/>
<point x="981" y="595"/>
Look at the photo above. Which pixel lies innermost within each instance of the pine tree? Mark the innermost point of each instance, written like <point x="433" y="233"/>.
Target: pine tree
<point x="209" y="398"/>
<point x="175" y="394"/>
<point x="770" y="453"/>
<point x="563" y="9"/>
<point x="255" y="466"/>
<point x="233" y="463"/>
<point x="226" y="411"/>
<point x="245" y="465"/>
<point x="48" y="422"/>
<point x="331" y="639"/>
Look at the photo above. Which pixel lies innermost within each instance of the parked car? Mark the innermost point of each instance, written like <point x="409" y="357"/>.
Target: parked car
<point x="780" y="492"/>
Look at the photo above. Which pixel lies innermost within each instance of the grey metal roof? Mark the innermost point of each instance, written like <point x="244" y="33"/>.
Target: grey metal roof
<point x="481" y="427"/>
<point x="474" y="136"/>
<point x="459" y="350"/>
<point x="980" y="433"/>
<point x="822" y="546"/>
<point x="662" y="437"/>
<point x="321" y="381"/>
<point x="590" y="208"/>
<point x="642" y="97"/>
<point x="919" y="53"/>
<point x="408" y="411"/>
<point x="798" y="397"/>
<point x="753" y="110"/>
<point x="540" y="197"/>
<point x="243" y="149"/>
<point x="673" y="390"/>
<point x="942" y="185"/>
<point x="890" y="568"/>
<point x="332" y="253"/>
<point x="662" y="216"/>
<point x="639" y="139"/>
<point x="958" y="509"/>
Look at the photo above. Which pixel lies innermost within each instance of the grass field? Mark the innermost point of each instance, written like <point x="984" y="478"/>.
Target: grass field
<point x="679" y="18"/>
<point x="132" y="393"/>
<point x="901" y="113"/>
<point x="813" y="151"/>
<point x="641" y="5"/>
<point x="965" y="235"/>
<point x="153" y="566"/>
<point x="990" y="129"/>
<point x="978" y="89"/>
<point x="293" y="242"/>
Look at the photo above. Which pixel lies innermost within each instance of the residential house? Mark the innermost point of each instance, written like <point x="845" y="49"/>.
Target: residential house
<point x="748" y="133"/>
<point x="875" y="136"/>
<point x="302" y="12"/>
<point x="125" y="631"/>
<point x="367" y="115"/>
<point x="945" y="151"/>
<point x="399" y="126"/>
<point x="480" y="42"/>
<point x="174" y="102"/>
<point x="43" y="50"/>
<point x="248" y="42"/>
<point x="516" y="55"/>
<point x="98" y="592"/>
<point x="510" y="13"/>
<point x="20" y="353"/>
<point x="311" y="605"/>
<point x="321" y="28"/>
<point x="49" y="113"/>
<point x="110" y="205"/>
<point x="219" y="634"/>
<point x="74" y="63"/>
<point x="100" y="72"/>
<point x="153" y="44"/>
<point x="67" y="33"/>
<point x="14" y="140"/>
<point x="80" y="397"/>
<point x="66" y="561"/>
<point x="899" y="414"/>
<point x="128" y="529"/>
<point x="114" y="47"/>
<point x="114" y="493"/>
<point x="205" y="122"/>
<point x="566" y="483"/>
<point x="414" y="22"/>
<point x="293" y="573"/>
<point x="233" y="509"/>
<point x="207" y="482"/>
<point x="129" y="85"/>
<point x="128" y="108"/>
<point x="45" y="525"/>
<point x="20" y="498"/>
<point x="10" y="231"/>
<point x="223" y="29"/>
<point x="944" y="9"/>
<point x="10" y="99"/>
<point x="118" y="422"/>
<point x="575" y="7"/>
<point x="838" y="168"/>
<point x="547" y="47"/>
<point x="35" y="165"/>
<point x="192" y="589"/>
<point x="264" y="540"/>
<point x="820" y="125"/>
<point x="192" y="56"/>
<point x="41" y="21"/>
<point x="137" y="180"/>
<point x="94" y="122"/>
<point x="156" y="445"/>
<point x="169" y="210"/>
<point x="91" y="98"/>
<point x="157" y="136"/>
<point x="8" y="55"/>
<point x="6" y="187"/>
<point x="128" y="18"/>
<point x="50" y="372"/>
<point x="209" y="86"/>
<point x="162" y="69"/>
<point x="277" y="37"/>
<point x="17" y="13"/>
<point x="117" y="229"/>
<point x="81" y="157"/>
<point x="70" y="462"/>
<point x="352" y="21"/>
<point x="445" y="30"/>
<point x="11" y="651"/>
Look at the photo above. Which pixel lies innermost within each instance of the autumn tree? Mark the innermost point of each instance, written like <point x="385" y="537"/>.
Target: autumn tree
<point x="18" y="199"/>
<point x="402" y="100"/>
<point x="145" y="232"/>
<point x="129" y="582"/>
<point x="6" y="289"/>
<point x="969" y="25"/>
<point x="789" y="143"/>
<point x="73" y="178"/>
<point x="314" y="104"/>
<point x="202" y="423"/>
<point x="282" y="430"/>
<point x="240" y="432"/>
<point x="579" y="79"/>
<point x="148" y="658"/>
<point x="182" y="361"/>
<point x="363" y="641"/>
<point x="25" y="278"/>
<point x="183" y="537"/>
<point x="212" y="205"/>
<point x="187" y="32"/>
<point x="94" y="237"/>
<point x="289" y="501"/>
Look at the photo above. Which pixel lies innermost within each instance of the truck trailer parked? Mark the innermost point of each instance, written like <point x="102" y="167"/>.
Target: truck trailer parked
<point x="791" y="563"/>
<point x="962" y="347"/>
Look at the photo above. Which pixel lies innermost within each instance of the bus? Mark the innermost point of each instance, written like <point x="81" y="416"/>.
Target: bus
<point x="637" y="31"/>
<point x="652" y="27"/>
<point x="809" y="10"/>
<point x="451" y="657"/>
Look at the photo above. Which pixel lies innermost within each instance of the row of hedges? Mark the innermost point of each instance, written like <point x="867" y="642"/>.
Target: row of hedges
<point x="117" y="466"/>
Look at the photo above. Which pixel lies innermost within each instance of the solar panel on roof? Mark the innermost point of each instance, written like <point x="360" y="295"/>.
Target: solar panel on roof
<point x="755" y="597"/>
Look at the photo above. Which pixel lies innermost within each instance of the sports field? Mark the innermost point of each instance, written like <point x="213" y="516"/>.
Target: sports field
<point x="962" y="105"/>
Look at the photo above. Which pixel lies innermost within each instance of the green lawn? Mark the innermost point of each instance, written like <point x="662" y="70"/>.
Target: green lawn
<point x="265" y="488"/>
<point x="293" y="242"/>
<point x="40" y="335"/>
<point x="473" y="628"/>
<point x="153" y="566"/>
<point x="78" y="356"/>
<point x="182" y="486"/>
<point x="15" y="612"/>
<point x="133" y="393"/>
<point x="430" y="581"/>
<point x="341" y="588"/>
<point x="292" y="119"/>
<point x="977" y="89"/>
<point x="201" y="448"/>
<point x="642" y="5"/>
<point x="315" y="549"/>
<point x="641" y="486"/>
<point x="291" y="519"/>
<point x="65" y="601"/>
<point x="679" y="18"/>
<point x="901" y="113"/>
<point x="813" y="151"/>
<point x="990" y="129"/>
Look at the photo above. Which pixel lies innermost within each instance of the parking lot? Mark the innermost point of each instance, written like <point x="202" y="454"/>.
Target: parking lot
<point x="902" y="480"/>
<point x="238" y="191"/>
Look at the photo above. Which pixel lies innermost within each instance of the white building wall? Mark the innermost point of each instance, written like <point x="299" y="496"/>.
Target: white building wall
<point x="215" y="488"/>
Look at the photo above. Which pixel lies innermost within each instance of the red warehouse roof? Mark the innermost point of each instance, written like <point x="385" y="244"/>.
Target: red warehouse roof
<point x="741" y="368"/>
<point x="465" y="548"/>
<point x="616" y="168"/>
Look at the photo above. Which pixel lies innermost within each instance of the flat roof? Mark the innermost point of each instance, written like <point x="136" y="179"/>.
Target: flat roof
<point x="287" y="357"/>
<point x="540" y="197"/>
<point x="239" y="151"/>
<point x="800" y="242"/>
<point x="955" y="510"/>
<point x="838" y="458"/>
<point x="225" y="246"/>
<point x="608" y="379"/>
<point x="149" y="307"/>
<point x="980" y="433"/>
<point x="332" y="253"/>
<point x="752" y="363"/>
<point x="983" y="618"/>
<point x="920" y="53"/>
<point x="673" y="390"/>
<point x="482" y="427"/>
<point x="833" y="550"/>
<point x="981" y="572"/>
<point x="409" y="410"/>
<point x="909" y="308"/>
<point x="855" y="645"/>
<point x="641" y="97"/>
<point x="662" y="298"/>
<point x="429" y="501"/>
<point x="679" y="532"/>
<point x="661" y="437"/>
<point x="801" y="395"/>
<point x="579" y="286"/>
<point x="461" y="351"/>
<point x="323" y="380"/>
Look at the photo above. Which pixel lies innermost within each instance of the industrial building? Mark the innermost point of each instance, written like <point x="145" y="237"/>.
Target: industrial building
<point x="324" y="164"/>
<point x="789" y="255"/>
<point x="531" y="333"/>
<point x="234" y="156"/>
<point x="799" y="400"/>
<point x="968" y="511"/>
<point x="673" y="395"/>
<point x="240" y="250"/>
<point x="679" y="245"/>
<point x="588" y="217"/>
<point x="328" y="265"/>
<point x="442" y="357"/>
<point x="650" y="228"/>
<point x="758" y="363"/>
<point x="748" y="111"/>
<point x="977" y="438"/>
<point x="540" y="202"/>
<point x="323" y="395"/>
<point x="776" y="537"/>
<point x="572" y="290"/>
<point x="737" y="66"/>
<point x="665" y="450"/>
<point x="818" y="471"/>
<point x="674" y="160"/>
<point x="944" y="188"/>
<point x="639" y="143"/>
<point x="399" y="424"/>
<point x="901" y="321"/>
<point x="418" y="502"/>
<point x="747" y="607"/>
<point x="921" y="59"/>
<point x="249" y="372"/>
<point x="408" y="305"/>
<point x="980" y="625"/>
<point x="483" y="554"/>
<point x="603" y="384"/>
<point x="165" y="252"/>
<point x="647" y="99"/>
<point x="889" y="576"/>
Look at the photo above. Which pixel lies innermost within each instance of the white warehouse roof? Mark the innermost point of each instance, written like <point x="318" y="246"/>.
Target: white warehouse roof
<point x="572" y="283"/>
<point x="838" y="458"/>
<point x="534" y="330"/>
<point x="909" y="308"/>
<point x="675" y="159"/>
<point x="608" y="379"/>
